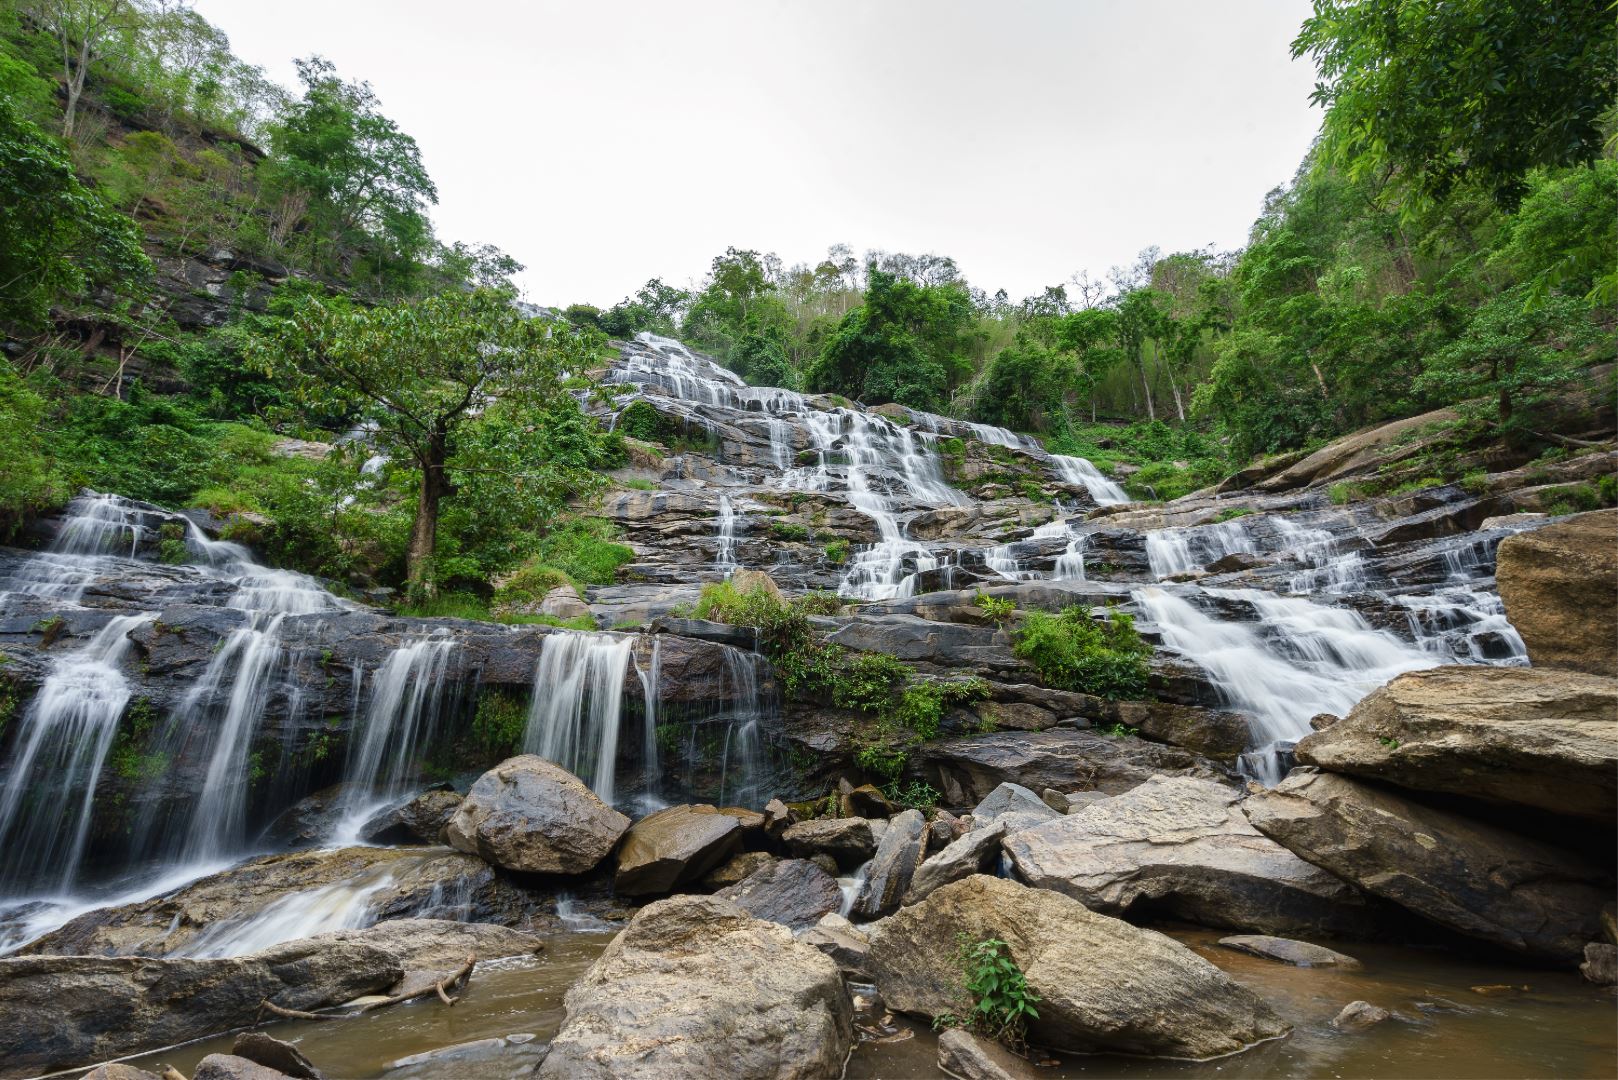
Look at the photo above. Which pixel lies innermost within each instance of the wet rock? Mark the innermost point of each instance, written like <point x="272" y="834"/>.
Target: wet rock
<point x="510" y="1055"/>
<point x="841" y="940"/>
<point x="1103" y="984"/>
<point x="209" y="916"/>
<point x="694" y="987"/>
<point x="975" y="852"/>
<point x="1184" y="847"/>
<point x="1011" y="716"/>
<point x="1600" y="963"/>
<point x="942" y="830"/>
<point x="737" y="637"/>
<point x="1212" y="732"/>
<point x="118" y="1071"/>
<point x="776" y="817"/>
<point x="865" y="801"/>
<point x="1287" y="951"/>
<point x="737" y="868"/>
<point x="272" y="1053"/>
<point x="1020" y="808"/>
<point x="964" y="1055"/>
<point x="848" y="840"/>
<point x="921" y="641"/>
<point x="1236" y="562"/>
<point x="792" y="892"/>
<point x="1524" y="736"/>
<point x="1359" y="1015"/>
<point x="231" y="1067"/>
<point x="673" y="847"/>
<point x="422" y="820"/>
<point x="1476" y="879"/>
<point x="1560" y="587"/>
<point x="966" y="770"/>
<point x="57" y="1012"/>
<point x="439" y="944"/>
<point x="897" y="857"/>
<point x="530" y="815"/>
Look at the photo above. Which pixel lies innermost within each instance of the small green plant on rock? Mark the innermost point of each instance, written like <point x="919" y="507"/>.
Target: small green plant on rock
<point x="837" y="552"/>
<point x="997" y="608"/>
<point x="1002" y="1002"/>
<point x="1073" y="651"/>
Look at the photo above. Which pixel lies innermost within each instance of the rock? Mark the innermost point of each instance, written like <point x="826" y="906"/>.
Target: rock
<point x="672" y="847"/>
<point x="529" y="815"/>
<point x="1078" y="800"/>
<point x="1476" y="879"/>
<point x="231" y="1067"/>
<point x="1560" y="587"/>
<point x="974" y="853"/>
<point x="272" y="1053"/>
<point x="440" y="944"/>
<point x="942" y="830"/>
<point x="1104" y="985"/>
<point x="968" y="769"/>
<point x="419" y="821"/>
<point x="848" y="840"/>
<point x="1021" y="808"/>
<point x="776" y="817"/>
<point x="1533" y="737"/>
<point x="58" y="1012"/>
<point x="1366" y="450"/>
<point x="1600" y="963"/>
<point x="737" y="868"/>
<point x="563" y="602"/>
<point x="964" y="1055"/>
<point x="746" y="581"/>
<point x="115" y="1070"/>
<point x="510" y="1055"/>
<point x="1287" y="951"/>
<point x="1213" y="732"/>
<point x="1236" y="562"/>
<point x="1054" y="799"/>
<point x="1609" y="922"/>
<point x="842" y="941"/>
<point x="1359" y="1015"/>
<point x="865" y="801"/>
<point x="1183" y="847"/>
<point x="1322" y="721"/>
<point x="694" y="987"/>
<point x="792" y="892"/>
<point x="893" y="866"/>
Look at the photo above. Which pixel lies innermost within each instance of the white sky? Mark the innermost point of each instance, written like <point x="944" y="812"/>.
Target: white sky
<point x="604" y="142"/>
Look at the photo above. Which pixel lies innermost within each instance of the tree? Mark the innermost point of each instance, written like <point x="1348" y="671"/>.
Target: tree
<point x="57" y="237"/>
<point x="1430" y="92"/>
<point x="86" y="31"/>
<point x="421" y="372"/>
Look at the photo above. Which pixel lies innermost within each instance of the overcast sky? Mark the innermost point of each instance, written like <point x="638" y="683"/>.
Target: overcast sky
<point x="603" y="143"/>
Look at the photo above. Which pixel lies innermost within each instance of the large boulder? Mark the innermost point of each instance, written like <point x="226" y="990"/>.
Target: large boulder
<point x="1066" y="759"/>
<point x="694" y="987"/>
<point x="974" y="852"/>
<point x="1183" y="847"/>
<point x="848" y="840"/>
<point x="1560" y="587"/>
<point x="673" y="847"/>
<point x="792" y="892"/>
<point x="419" y="821"/>
<point x="1103" y="984"/>
<point x="1526" y="736"/>
<point x="531" y="815"/>
<point x="1019" y="807"/>
<point x="893" y="866"/>
<point x="1476" y="879"/>
<point x="58" y="1012"/>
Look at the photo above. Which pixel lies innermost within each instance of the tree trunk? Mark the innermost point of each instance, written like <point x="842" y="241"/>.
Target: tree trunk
<point x="424" y="533"/>
<point x="1146" y="386"/>
<point x="1509" y="366"/>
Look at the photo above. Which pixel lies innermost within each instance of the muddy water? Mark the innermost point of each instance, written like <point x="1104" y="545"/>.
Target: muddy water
<point x="1442" y="1028"/>
<point x="1561" y="1026"/>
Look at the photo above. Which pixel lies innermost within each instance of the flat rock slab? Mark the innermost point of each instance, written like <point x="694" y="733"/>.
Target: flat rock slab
<point x="674" y="846"/>
<point x="851" y="841"/>
<point x="1103" y="984"/>
<point x="1477" y="879"/>
<point x="792" y="892"/>
<point x="1287" y="951"/>
<point x="1533" y="737"/>
<point x="1183" y="846"/>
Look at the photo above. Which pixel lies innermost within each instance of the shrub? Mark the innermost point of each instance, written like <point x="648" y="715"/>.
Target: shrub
<point x="1073" y="651"/>
<point x="584" y="549"/>
<point x="997" y="608"/>
<point x="789" y="531"/>
<point x="837" y="552"/>
<point x="917" y="794"/>
<point x="499" y="724"/>
<point x="922" y="702"/>
<point x="449" y="604"/>
<point x="1003" y="1004"/>
<point x="867" y="682"/>
<point x="819" y="603"/>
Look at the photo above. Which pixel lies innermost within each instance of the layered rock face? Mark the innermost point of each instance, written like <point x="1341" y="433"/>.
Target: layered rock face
<point x="1560" y="586"/>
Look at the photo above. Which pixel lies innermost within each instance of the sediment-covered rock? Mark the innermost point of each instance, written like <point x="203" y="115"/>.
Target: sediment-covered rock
<point x="1103" y="984"/>
<point x="695" y="988"/>
<point x="1479" y="880"/>
<point x="531" y="815"/>
<point x="792" y="892"/>
<point x="964" y="1055"/>
<point x="1534" y="737"/>
<point x="672" y="847"/>
<point x="1560" y="587"/>
<point x="1183" y="847"/>
<point x="1287" y="951"/>
<point x="848" y="840"/>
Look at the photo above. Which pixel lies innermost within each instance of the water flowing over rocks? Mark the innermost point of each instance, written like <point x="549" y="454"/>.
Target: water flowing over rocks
<point x="1103" y="984"/>
<point x="1479" y="880"/>
<point x="1560" y="587"/>
<point x="694" y="987"/>
<point x="1182" y="847"/>
<point x="529" y="815"/>
<point x="1530" y="737"/>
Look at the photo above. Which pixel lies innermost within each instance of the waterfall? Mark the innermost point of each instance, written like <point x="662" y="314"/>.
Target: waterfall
<point x="741" y="763"/>
<point x="996" y="436"/>
<point x="340" y="905"/>
<point x="880" y="571"/>
<point x="62" y="744"/>
<point x="99" y="531"/>
<point x="577" y="707"/>
<point x="1079" y="471"/>
<point x="1070" y="564"/>
<point x="726" y="558"/>
<point x="399" y="722"/>
<point x="1172" y="552"/>
<point x="650" y="688"/>
<point x="1301" y="658"/>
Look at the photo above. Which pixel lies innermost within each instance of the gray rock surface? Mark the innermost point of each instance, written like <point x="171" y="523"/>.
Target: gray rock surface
<point x="965" y="1055"/>
<point x="530" y="815"/>
<point x="792" y="892"/>
<point x="975" y="852"/>
<point x="894" y="865"/>
<point x="672" y="847"/>
<point x="1287" y="951"/>
<point x="848" y="840"/>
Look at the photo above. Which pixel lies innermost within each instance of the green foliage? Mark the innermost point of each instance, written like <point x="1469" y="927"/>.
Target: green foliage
<point x="1119" y="730"/>
<point x="923" y="702"/>
<point x="837" y="552"/>
<point x="883" y="758"/>
<point x="917" y="794"/>
<point x="447" y="604"/>
<point x="1072" y="651"/>
<point x="1000" y="609"/>
<point x="30" y="480"/>
<point x="1231" y="513"/>
<point x="132" y="757"/>
<point x="585" y="549"/>
<point x="1002" y="1002"/>
<point x="819" y="603"/>
<point x="641" y="420"/>
<point x="499" y="723"/>
<point x="867" y="682"/>
<point x="790" y="531"/>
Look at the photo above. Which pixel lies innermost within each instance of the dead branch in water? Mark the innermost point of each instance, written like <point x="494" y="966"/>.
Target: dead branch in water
<point x="441" y="988"/>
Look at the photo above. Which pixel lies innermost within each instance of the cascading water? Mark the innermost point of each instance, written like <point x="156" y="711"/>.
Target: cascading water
<point x="650" y="687"/>
<point x="726" y="557"/>
<point x="1079" y="471"/>
<point x="1172" y="552"/>
<point x="577" y="707"/>
<point x="741" y="762"/>
<point x="100" y="531"/>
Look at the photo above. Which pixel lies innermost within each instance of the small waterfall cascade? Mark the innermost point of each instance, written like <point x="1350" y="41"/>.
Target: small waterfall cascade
<point x="1463" y="618"/>
<point x="399" y="721"/>
<point x="1079" y="471"/>
<point x="577" y="709"/>
<point x="1172" y="552"/>
<point x="1329" y="569"/>
<point x="725" y="560"/>
<point x="998" y="436"/>
<point x="99" y="530"/>
<point x="1299" y="659"/>
<point x="741" y="764"/>
<point x="340" y="905"/>
<point x="1070" y="564"/>
<point x="63" y="741"/>
<point x="650" y="677"/>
